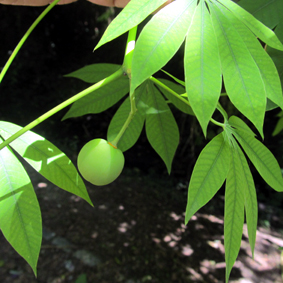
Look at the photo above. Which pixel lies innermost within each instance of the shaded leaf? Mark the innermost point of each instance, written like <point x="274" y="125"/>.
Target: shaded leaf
<point x="135" y="127"/>
<point x="161" y="128"/>
<point x="263" y="160"/>
<point x="46" y="159"/>
<point x="160" y="39"/>
<point x="100" y="99"/>
<point x="278" y="127"/>
<point x="179" y="103"/>
<point x="202" y="66"/>
<point x="209" y="174"/>
<point x="269" y="12"/>
<point x="95" y="72"/>
<point x="20" y="216"/>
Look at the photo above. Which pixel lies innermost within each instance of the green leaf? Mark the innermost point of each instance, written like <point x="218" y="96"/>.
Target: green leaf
<point x="160" y="39"/>
<point x="209" y="174"/>
<point x="180" y="104"/>
<point x="161" y="128"/>
<point x="133" y="14"/>
<point x="278" y="127"/>
<point x="263" y="160"/>
<point x="234" y="210"/>
<point x="134" y="129"/>
<point x="269" y="12"/>
<point x="100" y="99"/>
<point x="20" y="216"/>
<point x="258" y="28"/>
<point x="264" y="63"/>
<point x="95" y="72"/>
<point x="242" y="79"/>
<point x="202" y="66"/>
<point x="174" y="78"/>
<point x="276" y="55"/>
<point x="46" y="159"/>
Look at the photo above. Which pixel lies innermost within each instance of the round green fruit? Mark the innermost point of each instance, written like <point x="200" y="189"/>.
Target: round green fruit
<point x="100" y="163"/>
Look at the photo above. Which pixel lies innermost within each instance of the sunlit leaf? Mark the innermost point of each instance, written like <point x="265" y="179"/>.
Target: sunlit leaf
<point x="160" y="39"/>
<point x="265" y="64"/>
<point x="161" y="128"/>
<point x="100" y="99"/>
<point x="47" y="159"/>
<point x="258" y="28"/>
<point x="242" y="79"/>
<point x="133" y="14"/>
<point x="209" y="174"/>
<point x="263" y="160"/>
<point x="20" y="216"/>
<point x="95" y="72"/>
<point x="202" y="66"/>
<point x="234" y="210"/>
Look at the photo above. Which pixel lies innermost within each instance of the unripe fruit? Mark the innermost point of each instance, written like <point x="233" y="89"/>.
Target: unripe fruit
<point x="100" y="163"/>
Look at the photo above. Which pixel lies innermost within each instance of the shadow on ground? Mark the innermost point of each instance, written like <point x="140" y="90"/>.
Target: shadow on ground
<point x="136" y="233"/>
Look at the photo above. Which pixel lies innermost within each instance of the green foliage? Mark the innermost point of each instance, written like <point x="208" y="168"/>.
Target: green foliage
<point x="221" y="40"/>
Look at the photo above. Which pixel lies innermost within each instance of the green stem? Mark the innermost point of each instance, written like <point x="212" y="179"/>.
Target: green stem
<point x="24" y="38"/>
<point x="131" y="41"/>
<point x="64" y="104"/>
<point x="127" y="68"/>
<point x="180" y="97"/>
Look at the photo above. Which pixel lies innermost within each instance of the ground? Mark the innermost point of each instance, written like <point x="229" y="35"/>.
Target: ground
<point x="135" y="233"/>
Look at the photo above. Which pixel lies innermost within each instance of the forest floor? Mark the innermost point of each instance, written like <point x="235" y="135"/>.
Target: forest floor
<point x="135" y="233"/>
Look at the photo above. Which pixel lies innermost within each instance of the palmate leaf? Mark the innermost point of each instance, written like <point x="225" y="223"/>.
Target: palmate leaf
<point x="242" y="79"/>
<point x="234" y="210"/>
<point x="269" y="12"/>
<point x="258" y="28"/>
<point x="202" y="66"/>
<point x="209" y="174"/>
<point x="133" y="14"/>
<point x="264" y="63"/>
<point x="20" y="216"/>
<point x="47" y="159"/>
<point x="160" y="39"/>
<point x="134" y="129"/>
<point x="161" y="128"/>
<point x="100" y="99"/>
<point x="95" y="72"/>
<point x="261" y="157"/>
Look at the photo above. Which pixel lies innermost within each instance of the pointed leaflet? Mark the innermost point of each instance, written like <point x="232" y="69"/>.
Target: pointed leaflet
<point x="95" y="72"/>
<point x="263" y="160"/>
<point x="47" y="159"/>
<point x="234" y="210"/>
<point x="100" y="99"/>
<point x="202" y="66"/>
<point x="161" y="128"/>
<point x="181" y="103"/>
<point x="242" y="78"/>
<point x="264" y="63"/>
<point x="209" y="174"/>
<point x="268" y="12"/>
<point x="20" y="217"/>
<point x="160" y="39"/>
<point x="134" y="129"/>
<point x="258" y="28"/>
<point x="133" y="14"/>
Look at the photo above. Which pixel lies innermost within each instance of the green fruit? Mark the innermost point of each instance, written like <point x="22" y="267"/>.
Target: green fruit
<point x="99" y="162"/>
